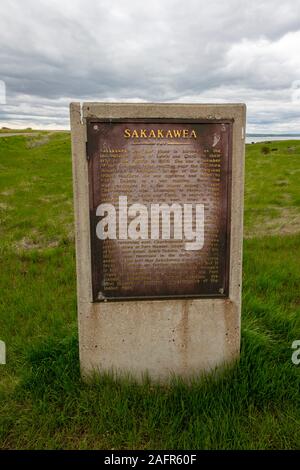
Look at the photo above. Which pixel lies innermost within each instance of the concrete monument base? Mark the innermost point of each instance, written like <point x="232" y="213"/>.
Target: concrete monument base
<point x="157" y="337"/>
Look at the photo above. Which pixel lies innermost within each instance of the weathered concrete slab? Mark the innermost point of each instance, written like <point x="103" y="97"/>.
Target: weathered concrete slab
<point x="182" y="336"/>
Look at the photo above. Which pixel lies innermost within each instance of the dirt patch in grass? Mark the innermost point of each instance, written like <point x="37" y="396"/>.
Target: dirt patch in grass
<point x="9" y="192"/>
<point x="38" y="240"/>
<point x="35" y="241"/>
<point x="37" y="141"/>
<point x="29" y="244"/>
<point x="287" y="222"/>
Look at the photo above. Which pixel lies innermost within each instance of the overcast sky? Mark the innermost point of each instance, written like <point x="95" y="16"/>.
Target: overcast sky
<point x="56" y="51"/>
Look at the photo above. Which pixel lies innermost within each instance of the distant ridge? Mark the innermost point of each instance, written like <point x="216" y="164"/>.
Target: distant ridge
<point x="273" y="135"/>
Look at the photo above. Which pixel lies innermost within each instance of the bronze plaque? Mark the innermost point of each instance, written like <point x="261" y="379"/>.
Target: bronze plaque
<point x="159" y="208"/>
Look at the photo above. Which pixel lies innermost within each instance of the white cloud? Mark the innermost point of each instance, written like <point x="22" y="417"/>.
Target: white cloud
<point x="264" y="63"/>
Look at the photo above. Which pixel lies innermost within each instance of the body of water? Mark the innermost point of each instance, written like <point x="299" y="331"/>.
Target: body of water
<point x="265" y="138"/>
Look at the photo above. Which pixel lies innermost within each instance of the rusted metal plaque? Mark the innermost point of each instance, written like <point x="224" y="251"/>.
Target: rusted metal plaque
<point x="159" y="208"/>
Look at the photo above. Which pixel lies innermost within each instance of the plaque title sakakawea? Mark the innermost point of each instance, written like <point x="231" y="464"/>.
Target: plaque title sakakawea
<point x="160" y="134"/>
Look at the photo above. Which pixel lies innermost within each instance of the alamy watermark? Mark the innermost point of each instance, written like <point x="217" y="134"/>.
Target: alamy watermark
<point x="295" y="91"/>
<point x="138" y="222"/>
<point x="2" y="352"/>
<point x="296" y="353"/>
<point x="2" y="92"/>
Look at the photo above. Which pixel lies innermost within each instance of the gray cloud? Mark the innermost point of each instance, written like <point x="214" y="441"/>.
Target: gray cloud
<point x="54" y="52"/>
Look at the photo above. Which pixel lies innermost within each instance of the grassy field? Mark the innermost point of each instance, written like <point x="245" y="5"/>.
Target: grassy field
<point x="44" y="404"/>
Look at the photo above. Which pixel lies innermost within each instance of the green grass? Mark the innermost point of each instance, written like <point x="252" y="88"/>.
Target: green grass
<point x="43" y="403"/>
<point x="272" y="193"/>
